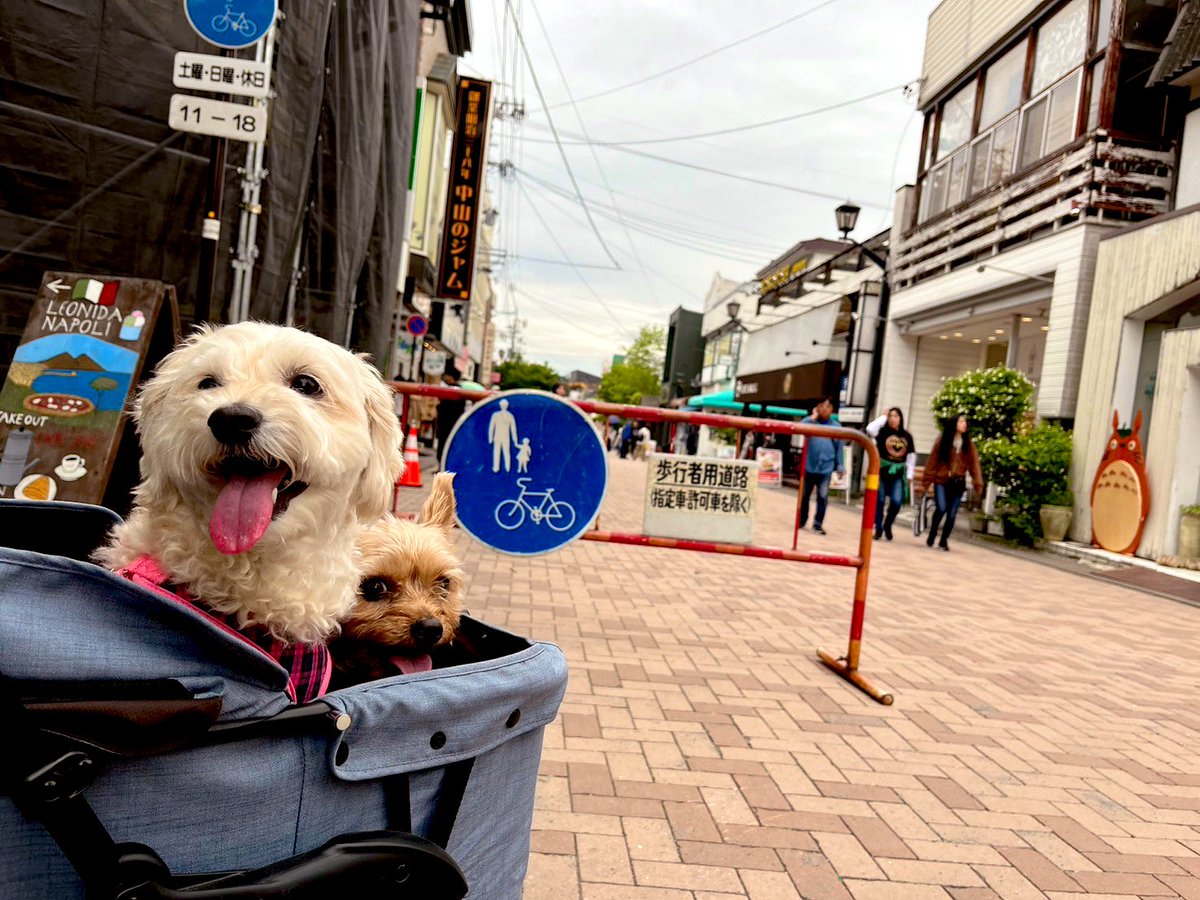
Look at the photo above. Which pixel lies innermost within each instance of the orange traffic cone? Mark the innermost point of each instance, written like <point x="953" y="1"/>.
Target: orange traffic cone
<point x="412" y="464"/>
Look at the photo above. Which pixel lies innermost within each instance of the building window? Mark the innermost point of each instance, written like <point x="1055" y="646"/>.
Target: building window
<point x="1061" y="45"/>
<point x="1097" y="93"/>
<point x="957" y="114"/>
<point x="1048" y="122"/>
<point x="1103" y="24"/>
<point x="1002" y="84"/>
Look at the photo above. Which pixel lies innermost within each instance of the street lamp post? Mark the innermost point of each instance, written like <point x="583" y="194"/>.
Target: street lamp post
<point x="846" y="216"/>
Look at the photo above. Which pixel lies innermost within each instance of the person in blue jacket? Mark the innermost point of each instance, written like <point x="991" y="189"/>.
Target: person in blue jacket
<point x="822" y="458"/>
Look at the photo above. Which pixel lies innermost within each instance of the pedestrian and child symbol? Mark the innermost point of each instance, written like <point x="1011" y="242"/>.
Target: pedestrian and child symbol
<point x="530" y="471"/>
<point x="502" y="434"/>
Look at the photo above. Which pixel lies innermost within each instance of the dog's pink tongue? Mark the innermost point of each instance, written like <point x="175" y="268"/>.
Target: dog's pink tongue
<point x="410" y="664"/>
<point x="243" y="511"/>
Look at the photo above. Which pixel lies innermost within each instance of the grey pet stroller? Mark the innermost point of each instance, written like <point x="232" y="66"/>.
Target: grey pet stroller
<point x="151" y="755"/>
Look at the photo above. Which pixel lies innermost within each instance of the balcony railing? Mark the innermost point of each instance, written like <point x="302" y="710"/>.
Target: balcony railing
<point x="1094" y="178"/>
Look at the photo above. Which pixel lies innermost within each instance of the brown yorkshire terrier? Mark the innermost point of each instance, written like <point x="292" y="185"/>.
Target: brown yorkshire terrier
<point x="409" y="594"/>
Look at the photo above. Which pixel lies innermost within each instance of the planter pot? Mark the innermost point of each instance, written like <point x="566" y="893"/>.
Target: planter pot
<point x="1055" y="521"/>
<point x="995" y="527"/>
<point x="1189" y="537"/>
<point x="979" y="523"/>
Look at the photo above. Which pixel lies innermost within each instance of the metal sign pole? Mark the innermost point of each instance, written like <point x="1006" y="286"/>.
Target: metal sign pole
<point x="211" y="229"/>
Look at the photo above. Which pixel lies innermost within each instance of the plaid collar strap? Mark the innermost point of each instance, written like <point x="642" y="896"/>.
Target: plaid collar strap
<point x="309" y="666"/>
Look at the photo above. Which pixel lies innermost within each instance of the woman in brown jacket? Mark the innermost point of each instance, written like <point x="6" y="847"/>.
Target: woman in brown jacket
<point x="951" y="460"/>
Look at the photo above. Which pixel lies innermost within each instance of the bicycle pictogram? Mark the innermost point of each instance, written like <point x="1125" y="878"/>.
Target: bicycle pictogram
<point x="558" y="514"/>
<point x="237" y="21"/>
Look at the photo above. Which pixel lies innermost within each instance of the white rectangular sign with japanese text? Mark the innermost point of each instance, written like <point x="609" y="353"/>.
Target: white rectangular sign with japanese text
<point x="700" y="498"/>
<point x="222" y="74"/>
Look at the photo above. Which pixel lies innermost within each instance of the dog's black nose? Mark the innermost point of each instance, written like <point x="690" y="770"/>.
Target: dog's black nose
<point x="235" y="424"/>
<point x="426" y="632"/>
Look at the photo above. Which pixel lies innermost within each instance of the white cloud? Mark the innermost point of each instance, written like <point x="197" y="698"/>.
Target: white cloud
<point x="847" y="49"/>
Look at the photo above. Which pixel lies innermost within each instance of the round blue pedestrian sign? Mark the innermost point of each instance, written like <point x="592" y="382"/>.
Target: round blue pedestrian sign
<point x="529" y="472"/>
<point x="231" y="25"/>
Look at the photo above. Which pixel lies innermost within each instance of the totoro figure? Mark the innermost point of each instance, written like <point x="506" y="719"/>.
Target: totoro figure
<point x="1121" y="493"/>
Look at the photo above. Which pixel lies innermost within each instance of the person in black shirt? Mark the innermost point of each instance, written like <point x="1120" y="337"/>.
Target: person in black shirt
<point x="897" y="460"/>
<point x="448" y="411"/>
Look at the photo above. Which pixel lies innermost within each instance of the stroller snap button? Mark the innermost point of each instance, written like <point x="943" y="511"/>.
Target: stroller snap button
<point x="513" y="718"/>
<point x="438" y="741"/>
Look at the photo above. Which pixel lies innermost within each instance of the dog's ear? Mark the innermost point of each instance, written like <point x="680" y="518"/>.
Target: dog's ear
<point x="387" y="455"/>
<point x="438" y="511"/>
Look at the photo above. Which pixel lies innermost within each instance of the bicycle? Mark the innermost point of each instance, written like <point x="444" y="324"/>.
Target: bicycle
<point x="237" y="21"/>
<point x="559" y="515"/>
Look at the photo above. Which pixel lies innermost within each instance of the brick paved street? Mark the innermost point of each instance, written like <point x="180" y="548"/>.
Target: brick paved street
<point x="1041" y="743"/>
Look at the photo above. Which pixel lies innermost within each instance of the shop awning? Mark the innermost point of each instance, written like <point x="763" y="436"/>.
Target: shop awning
<point x="723" y="400"/>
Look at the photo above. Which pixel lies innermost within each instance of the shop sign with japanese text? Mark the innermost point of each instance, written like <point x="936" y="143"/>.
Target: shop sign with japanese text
<point x="697" y="498"/>
<point x="460" y="229"/>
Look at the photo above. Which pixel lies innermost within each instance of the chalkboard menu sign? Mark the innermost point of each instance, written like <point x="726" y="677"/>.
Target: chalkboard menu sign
<point x="63" y="406"/>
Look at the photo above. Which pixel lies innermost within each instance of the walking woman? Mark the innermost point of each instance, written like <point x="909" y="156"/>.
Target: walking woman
<point x="897" y="460"/>
<point x="950" y="461"/>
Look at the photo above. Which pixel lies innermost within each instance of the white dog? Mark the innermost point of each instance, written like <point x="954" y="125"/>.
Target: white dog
<point x="263" y="449"/>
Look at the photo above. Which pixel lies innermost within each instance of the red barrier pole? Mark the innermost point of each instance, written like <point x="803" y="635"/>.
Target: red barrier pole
<point x="799" y="495"/>
<point x="845" y="666"/>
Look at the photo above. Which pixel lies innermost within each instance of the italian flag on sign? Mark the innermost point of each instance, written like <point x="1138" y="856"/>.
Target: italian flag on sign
<point x="104" y="293"/>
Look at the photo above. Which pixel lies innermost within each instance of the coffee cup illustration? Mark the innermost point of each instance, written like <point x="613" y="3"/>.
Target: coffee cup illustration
<point x="72" y="467"/>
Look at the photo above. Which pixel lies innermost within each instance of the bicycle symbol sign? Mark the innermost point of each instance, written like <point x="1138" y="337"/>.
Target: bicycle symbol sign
<point x="510" y="514"/>
<point x="231" y="25"/>
<point x="530" y="472"/>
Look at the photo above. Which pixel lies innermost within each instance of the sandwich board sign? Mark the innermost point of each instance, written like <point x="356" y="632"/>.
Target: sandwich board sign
<point x="63" y="404"/>
<point x="530" y="472"/>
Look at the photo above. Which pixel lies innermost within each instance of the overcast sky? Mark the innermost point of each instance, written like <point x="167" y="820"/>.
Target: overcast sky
<point x="841" y="50"/>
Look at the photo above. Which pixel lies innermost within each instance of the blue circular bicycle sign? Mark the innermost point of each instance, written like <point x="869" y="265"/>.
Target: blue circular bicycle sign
<point x="231" y="25"/>
<point x="529" y="472"/>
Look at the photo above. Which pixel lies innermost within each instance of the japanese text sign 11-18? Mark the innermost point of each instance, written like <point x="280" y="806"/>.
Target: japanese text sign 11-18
<point x="468" y="158"/>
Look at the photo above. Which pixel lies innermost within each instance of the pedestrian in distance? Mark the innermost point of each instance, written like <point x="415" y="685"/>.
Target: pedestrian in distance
<point x="897" y="462"/>
<point x="822" y="459"/>
<point x="626" y="439"/>
<point x="951" y="460"/>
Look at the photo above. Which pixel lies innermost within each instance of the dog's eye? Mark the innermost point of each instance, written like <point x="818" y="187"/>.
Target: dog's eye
<point x="306" y="385"/>
<point x="374" y="589"/>
<point x="207" y="383"/>
<point x="442" y="585"/>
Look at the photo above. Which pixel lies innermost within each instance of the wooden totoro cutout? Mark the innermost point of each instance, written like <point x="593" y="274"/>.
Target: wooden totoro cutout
<point x="1121" y="492"/>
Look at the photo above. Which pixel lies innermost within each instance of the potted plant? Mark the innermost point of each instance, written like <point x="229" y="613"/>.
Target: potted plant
<point x="1055" y="514"/>
<point x="979" y="522"/>
<point x="1189" y="532"/>
<point x="1030" y="468"/>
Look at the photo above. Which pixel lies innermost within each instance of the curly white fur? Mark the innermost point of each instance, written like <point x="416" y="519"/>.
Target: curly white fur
<point x="299" y="580"/>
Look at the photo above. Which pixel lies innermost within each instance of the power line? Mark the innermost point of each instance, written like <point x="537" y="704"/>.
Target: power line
<point x="676" y="228"/>
<point x="707" y="251"/>
<point x="746" y="178"/>
<point x="550" y="121"/>
<point x="595" y="157"/>
<point x="732" y="130"/>
<point x="713" y="241"/>
<point x="675" y="209"/>
<point x="557" y="243"/>
<point x="705" y="55"/>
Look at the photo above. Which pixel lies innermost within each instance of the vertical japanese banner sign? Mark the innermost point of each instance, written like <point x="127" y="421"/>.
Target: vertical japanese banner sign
<point x="463" y="197"/>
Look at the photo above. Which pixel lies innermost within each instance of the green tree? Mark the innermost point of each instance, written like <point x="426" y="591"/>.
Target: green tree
<point x="101" y="385"/>
<point x="641" y="371"/>
<point x="519" y="373"/>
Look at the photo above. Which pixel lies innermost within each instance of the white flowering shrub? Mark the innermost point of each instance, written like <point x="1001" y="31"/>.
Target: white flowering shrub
<point x="993" y="400"/>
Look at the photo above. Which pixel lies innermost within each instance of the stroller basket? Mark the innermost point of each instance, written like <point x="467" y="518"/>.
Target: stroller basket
<point x="159" y="756"/>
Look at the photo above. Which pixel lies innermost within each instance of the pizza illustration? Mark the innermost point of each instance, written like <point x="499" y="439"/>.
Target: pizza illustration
<point x="65" y="405"/>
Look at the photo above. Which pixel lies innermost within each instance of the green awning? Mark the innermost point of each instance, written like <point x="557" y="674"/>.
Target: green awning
<point x="724" y="402"/>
